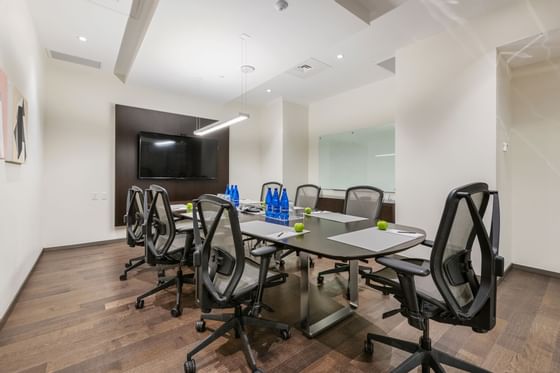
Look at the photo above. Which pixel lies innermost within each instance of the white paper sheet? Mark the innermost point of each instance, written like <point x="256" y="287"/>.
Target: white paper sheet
<point x="335" y="216"/>
<point x="374" y="239"/>
<point x="273" y="231"/>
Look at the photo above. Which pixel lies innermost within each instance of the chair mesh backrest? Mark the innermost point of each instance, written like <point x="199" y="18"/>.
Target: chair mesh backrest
<point x="220" y="249"/>
<point x="363" y="201"/>
<point x="271" y="185"/>
<point x="307" y="196"/>
<point x="159" y="229"/>
<point x="462" y="230"/>
<point x="134" y="217"/>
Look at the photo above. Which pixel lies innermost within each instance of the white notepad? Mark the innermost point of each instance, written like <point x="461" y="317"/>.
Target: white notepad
<point x="270" y="230"/>
<point x="335" y="216"/>
<point x="373" y="239"/>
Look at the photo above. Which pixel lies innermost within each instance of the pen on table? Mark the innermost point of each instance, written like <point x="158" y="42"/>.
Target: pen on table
<point x="406" y="232"/>
<point x="279" y="234"/>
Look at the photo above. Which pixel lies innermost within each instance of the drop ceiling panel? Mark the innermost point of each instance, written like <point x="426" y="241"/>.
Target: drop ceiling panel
<point x="195" y="47"/>
<point x="102" y="22"/>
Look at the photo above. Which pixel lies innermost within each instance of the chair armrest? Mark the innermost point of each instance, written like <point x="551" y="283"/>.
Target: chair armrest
<point x="263" y="251"/>
<point x="428" y="243"/>
<point x="401" y="266"/>
<point x="409" y="298"/>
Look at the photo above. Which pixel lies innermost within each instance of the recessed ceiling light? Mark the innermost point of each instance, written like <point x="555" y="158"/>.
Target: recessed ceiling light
<point x="83" y="39"/>
<point x="247" y="69"/>
<point x="268" y="90"/>
<point x="453" y="2"/>
<point x="340" y="56"/>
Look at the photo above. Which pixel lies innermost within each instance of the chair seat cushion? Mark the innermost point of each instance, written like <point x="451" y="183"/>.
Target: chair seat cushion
<point x="175" y="252"/>
<point x="425" y="286"/>
<point x="249" y="279"/>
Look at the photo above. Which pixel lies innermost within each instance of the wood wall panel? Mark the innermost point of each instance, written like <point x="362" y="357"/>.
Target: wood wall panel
<point x="129" y="121"/>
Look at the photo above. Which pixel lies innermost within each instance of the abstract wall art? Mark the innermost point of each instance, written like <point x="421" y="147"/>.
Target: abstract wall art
<point x="3" y="110"/>
<point x="16" y="138"/>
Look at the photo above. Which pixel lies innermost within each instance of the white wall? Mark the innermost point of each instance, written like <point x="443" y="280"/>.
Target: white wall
<point x="362" y="107"/>
<point x="271" y="140"/>
<point x="504" y="160"/>
<point x="295" y="144"/>
<point x="79" y="148"/>
<point x="446" y="115"/>
<point x="20" y="185"/>
<point x="535" y="165"/>
<point x="245" y="152"/>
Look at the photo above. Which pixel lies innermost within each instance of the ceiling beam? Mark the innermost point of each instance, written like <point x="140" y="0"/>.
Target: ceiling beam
<point x="141" y="14"/>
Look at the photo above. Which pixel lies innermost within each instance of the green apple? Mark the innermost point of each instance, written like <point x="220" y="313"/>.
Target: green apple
<point x="189" y="207"/>
<point x="382" y="225"/>
<point x="308" y="210"/>
<point x="298" y="227"/>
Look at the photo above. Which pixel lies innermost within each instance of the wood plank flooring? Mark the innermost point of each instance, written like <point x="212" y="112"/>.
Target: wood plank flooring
<point x="74" y="315"/>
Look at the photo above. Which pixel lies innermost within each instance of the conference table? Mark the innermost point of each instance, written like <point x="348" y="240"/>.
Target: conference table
<point x="318" y="240"/>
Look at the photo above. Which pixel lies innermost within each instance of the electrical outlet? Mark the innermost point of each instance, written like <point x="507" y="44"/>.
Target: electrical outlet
<point x="94" y="196"/>
<point x="103" y="196"/>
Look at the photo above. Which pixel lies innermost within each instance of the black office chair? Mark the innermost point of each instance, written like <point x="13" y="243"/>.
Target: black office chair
<point x="271" y="185"/>
<point x="363" y="201"/>
<point x="165" y="247"/>
<point x="307" y="195"/>
<point x="133" y="219"/>
<point x="446" y="288"/>
<point x="264" y="189"/>
<point x="227" y="279"/>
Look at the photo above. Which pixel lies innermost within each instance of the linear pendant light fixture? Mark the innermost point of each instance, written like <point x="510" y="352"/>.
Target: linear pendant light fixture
<point x="245" y="69"/>
<point x="222" y="124"/>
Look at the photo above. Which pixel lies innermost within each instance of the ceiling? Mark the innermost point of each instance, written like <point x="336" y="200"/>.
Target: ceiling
<point x="195" y="47"/>
<point x="534" y="49"/>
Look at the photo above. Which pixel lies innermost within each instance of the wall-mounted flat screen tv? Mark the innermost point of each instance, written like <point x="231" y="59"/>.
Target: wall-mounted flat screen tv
<point x="176" y="157"/>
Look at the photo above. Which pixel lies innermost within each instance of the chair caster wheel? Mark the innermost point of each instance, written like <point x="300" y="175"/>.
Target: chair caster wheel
<point x="139" y="304"/>
<point x="311" y="263"/>
<point x="122" y="277"/>
<point x="320" y="280"/>
<point x="200" y="326"/>
<point x="285" y="334"/>
<point x="190" y="366"/>
<point x="176" y="312"/>
<point x="127" y="265"/>
<point x="368" y="347"/>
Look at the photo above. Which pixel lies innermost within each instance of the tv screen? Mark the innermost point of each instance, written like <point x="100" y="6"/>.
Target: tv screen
<point x="176" y="157"/>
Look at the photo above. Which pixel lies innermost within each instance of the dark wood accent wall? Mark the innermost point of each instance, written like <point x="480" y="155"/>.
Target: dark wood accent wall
<point x="337" y="205"/>
<point x="129" y="121"/>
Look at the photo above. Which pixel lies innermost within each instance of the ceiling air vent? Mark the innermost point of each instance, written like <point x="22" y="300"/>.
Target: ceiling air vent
<point x="309" y="68"/>
<point x="304" y="68"/>
<point x="73" y="59"/>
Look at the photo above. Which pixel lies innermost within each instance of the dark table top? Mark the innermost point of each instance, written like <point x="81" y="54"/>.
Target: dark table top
<point x="316" y="240"/>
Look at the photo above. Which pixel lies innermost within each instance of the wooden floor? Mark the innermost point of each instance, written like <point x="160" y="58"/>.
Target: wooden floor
<point x="74" y="315"/>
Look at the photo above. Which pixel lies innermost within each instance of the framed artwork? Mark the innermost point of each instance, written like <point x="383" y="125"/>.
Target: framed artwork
<point x="3" y="110"/>
<point x="15" y="139"/>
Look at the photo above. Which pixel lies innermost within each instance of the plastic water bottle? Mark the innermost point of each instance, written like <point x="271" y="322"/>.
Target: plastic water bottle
<point x="284" y="205"/>
<point x="228" y="193"/>
<point x="268" y="203"/>
<point x="275" y="204"/>
<point x="235" y="196"/>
